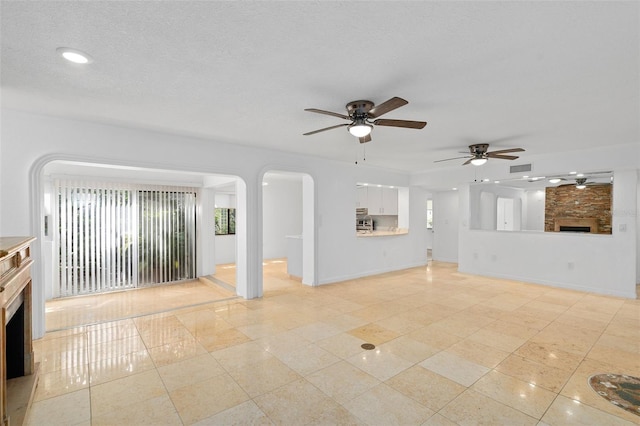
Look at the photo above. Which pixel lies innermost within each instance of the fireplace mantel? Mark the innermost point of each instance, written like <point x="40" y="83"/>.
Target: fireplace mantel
<point x="591" y="223"/>
<point x="18" y="377"/>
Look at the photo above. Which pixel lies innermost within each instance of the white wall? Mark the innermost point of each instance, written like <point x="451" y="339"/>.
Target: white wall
<point x="533" y="217"/>
<point x="483" y="204"/>
<point x="445" y="226"/>
<point x="403" y="213"/>
<point x="29" y="141"/>
<point x="225" y="251"/>
<point x="598" y="263"/>
<point x="206" y="244"/>
<point x="281" y="215"/>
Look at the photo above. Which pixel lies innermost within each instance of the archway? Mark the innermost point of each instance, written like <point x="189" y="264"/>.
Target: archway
<point x="45" y="197"/>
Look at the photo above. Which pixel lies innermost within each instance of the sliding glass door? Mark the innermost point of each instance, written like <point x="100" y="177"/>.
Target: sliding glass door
<point x="118" y="236"/>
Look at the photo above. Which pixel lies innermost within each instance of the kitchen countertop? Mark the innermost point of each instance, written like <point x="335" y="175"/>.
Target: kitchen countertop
<point x="381" y="233"/>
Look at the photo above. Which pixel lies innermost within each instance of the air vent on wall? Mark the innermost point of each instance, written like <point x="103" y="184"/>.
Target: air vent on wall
<point x="520" y="168"/>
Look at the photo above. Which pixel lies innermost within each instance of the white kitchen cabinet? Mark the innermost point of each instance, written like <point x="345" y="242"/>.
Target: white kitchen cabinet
<point x="390" y="201"/>
<point x="382" y="201"/>
<point x="378" y="200"/>
<point x="374" y="197"/>
<point x="362" y="197"/>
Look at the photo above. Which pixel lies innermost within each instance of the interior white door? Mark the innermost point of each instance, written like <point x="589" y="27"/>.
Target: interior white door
<point x="505" y="214"/>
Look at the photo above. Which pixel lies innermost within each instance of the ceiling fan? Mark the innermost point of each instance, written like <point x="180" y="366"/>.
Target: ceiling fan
<point x="360" y="113"/>
<point x="582" y="183"/>
<point x="479" y="154"/>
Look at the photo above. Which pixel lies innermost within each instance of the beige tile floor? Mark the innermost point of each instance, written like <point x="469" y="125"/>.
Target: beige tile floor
<point x="450" y="349"/>
<point x="76" y="311"/>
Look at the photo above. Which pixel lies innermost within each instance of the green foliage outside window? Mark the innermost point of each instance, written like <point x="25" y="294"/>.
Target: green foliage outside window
<point x="225" y="221"/>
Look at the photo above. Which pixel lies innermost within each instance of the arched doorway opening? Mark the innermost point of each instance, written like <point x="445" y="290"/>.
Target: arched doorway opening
<point x="105" y="228"/>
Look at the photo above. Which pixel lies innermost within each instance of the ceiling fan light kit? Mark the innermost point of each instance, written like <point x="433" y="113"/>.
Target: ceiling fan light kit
<point x="360" y="114"/>
<point x="581" y="183"/>
<point x="360" y="129"/>
<point x="74" y="55"/>
<point x="478" y="161"/>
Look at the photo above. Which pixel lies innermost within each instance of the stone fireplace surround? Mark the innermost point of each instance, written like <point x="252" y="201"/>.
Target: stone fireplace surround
<point x="566" y="202"/>
<point x="18" y="377"/>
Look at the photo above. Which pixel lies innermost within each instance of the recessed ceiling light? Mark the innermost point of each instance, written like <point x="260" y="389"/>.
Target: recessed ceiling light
<point x="554" y="180"/>
<point x="580" y="174"/>
<point x="265" y="183"/>
<point x="525" y="177"/>
<point x="485" y="180"/>
<point x="572" y="173"/>
<point x="74" y="55"/>
<point x="455" y="189"/>
<point x="496" y="181"/>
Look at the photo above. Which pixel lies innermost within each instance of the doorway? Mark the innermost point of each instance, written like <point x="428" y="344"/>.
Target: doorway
<point x="108" y="228"/>
<point x="288" y="230"/>
<point x="508" y="214"/>
<point x="429" y="228"/>
<point x="504" y="218"/>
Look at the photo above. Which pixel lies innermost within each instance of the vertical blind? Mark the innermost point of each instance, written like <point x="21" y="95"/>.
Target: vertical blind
<point x="115" y="236"/>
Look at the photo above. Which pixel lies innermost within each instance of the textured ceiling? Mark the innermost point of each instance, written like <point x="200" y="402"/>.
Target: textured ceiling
<point x="545" y="76"/>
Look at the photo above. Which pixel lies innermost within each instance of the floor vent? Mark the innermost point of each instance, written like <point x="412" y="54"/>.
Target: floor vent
<point x="520" y="168"/>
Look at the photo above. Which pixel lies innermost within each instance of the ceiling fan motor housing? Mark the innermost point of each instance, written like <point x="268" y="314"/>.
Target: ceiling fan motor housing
<point x="359" y="109"/>
<point x="479" y="149"/>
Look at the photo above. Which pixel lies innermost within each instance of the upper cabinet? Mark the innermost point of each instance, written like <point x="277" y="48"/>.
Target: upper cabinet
<point x="381" y="201"/>
<point x="362" y="197"/>
<point x="390" y="201"/>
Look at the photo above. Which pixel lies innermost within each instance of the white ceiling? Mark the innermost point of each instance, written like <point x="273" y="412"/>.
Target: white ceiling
<point x="545" y="76"/>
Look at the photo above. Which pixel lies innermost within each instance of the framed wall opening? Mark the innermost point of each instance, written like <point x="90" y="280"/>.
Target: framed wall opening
<point x="288" y="229"/>
<point x="137" y="189"/>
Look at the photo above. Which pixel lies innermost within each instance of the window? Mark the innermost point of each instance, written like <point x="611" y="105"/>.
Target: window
<point x="225" y="221"/>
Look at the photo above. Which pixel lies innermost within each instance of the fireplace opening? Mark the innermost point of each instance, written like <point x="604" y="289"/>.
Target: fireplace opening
<point x="15" y="343"/>
<point x="575" y="229"/>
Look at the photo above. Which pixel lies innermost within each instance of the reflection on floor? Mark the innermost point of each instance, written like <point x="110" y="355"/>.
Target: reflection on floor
<point x="274" y="272"/>
<point x="450" y="349"/>
<point x="83" y="310"/>
<point x="227" y="273"/>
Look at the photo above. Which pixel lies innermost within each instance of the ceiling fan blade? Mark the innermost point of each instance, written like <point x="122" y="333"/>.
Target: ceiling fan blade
<point x="449" y="159"/>
<point x="386" y="106"/>
<point x="335" y="114"/>
<point x="504" y="151"/>
<point x="326" y="128"/>
<point x="365" y="139"/>
<point x="401" y="123"/>
<point x="502" y="157"/>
